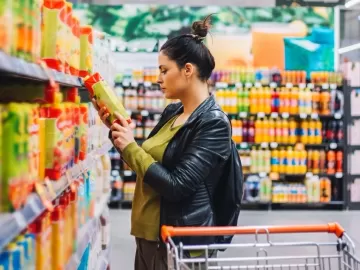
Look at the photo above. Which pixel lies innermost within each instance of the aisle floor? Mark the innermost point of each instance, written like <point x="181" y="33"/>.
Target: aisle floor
<point x="123" y="245"/>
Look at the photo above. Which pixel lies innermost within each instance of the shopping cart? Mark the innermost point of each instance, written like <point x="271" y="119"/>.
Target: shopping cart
<point x="336" y="254"/>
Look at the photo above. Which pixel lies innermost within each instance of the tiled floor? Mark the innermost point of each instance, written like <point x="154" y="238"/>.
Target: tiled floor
<point x="123" y="245"/>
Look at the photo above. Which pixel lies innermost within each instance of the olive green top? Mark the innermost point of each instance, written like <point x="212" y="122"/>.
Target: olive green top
<point x="145" y="217"/>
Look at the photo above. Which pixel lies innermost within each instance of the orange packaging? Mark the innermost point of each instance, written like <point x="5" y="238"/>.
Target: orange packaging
<point x="253" y="101"/>
<point x="34" y="146"/>
<point x="331" y="162"/>
<point x="64" y="202"/>
<point x="6" y="25"/>
<point x="339" y="161"/>
<point x="325" y="188"/>
<point x="75" y="48"/>
<point x="57" y="239"/>
<point x="83" y="130"/>
<point x="74" y="218"/>
<point x="316" y="162"/>
<point x="325" y="103"/>
<point x="72" y="96"/>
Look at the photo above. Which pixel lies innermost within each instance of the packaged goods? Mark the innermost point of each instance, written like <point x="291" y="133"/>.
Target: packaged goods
<point x="58" y="240"/>
<point x="36" y="29"/>
<point x="6" y="25"/>
<point x="83" y="130"/>
<point x="86" y="43"/>
<point x="75" y="47"/>
<point x="68" y="45"/>
<point x="105" y="96"/>
<point x="19" y="31"/>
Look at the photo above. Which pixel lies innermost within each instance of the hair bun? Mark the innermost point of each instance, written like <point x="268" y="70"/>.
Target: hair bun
<point x="201" y="28"/>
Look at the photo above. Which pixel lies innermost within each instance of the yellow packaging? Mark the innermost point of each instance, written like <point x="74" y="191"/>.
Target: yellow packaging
<point x="86" y="44"/>
<point x="1" y="163"/>
<point x="57" y="240"/>
<point x="75" y="49"/>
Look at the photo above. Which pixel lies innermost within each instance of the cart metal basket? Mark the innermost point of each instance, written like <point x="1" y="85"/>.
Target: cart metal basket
<point x="264" y="252"/>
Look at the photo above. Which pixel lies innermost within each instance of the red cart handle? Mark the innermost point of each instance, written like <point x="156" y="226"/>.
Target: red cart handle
<point x="169" y="231"/>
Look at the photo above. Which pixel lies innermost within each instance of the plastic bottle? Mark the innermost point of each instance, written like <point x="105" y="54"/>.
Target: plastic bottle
<point x="253" y="101"/>
<point x="57" y="241"/>
<point x="265" y="130"/>
<point x="275" y="161"/>
<point x="253" y="157"/>
<point x="251" y="131"/>
<point x="283" y="161"/>
<point x="339" y="136"/>
<point x="271" y="130"/>
<point x="267" y="98"/>
<point x="325" y="187"/>
<point x="303" y="159"/>
<point x="292" y="131"/>
<point x="285" y="131"/>
<point x="265" y="189"/>
<point x="308" y="101"/>
<point x="318" y="132"/>
<point x="275" y="101"/>
<point x="286" y="100"/>
<point x="278" y="130"/>
<point x="246" y="101"/>
<point x="331" y="162"/>
<point x="322" y="162"/>
<point x="339" y="161"/>
<point x="240" y="100"/>
<point x="325" y="103"/>
<point x="267" y="158"/>
<point x="261" y="99"/>
<point x="331" y="132"/>
<point x="316" y="162"/>
<point x="309" y="160"/>
<point x="245" y="130"/>
<point x="219" y="95"/>
<point x="294" y="97"/>
<point x="289" y="164"/>
<point x="297" y="162"/>
<point x="311" y="132"/>
<point x="316" y="101"/>
<point x="259" y="131"/>
<point x="304" y="132"/>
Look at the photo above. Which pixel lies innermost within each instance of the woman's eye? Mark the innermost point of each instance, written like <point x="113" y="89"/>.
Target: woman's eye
<point x="163" y="72"/>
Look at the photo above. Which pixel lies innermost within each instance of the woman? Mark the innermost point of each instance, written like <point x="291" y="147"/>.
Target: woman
<point x="181" y="162"/>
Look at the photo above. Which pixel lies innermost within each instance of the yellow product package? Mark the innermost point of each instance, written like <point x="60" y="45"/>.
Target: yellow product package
<point x="86" y="50"/>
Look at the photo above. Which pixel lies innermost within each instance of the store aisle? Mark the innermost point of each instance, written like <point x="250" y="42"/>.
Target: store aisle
<point x="123" y="245"/>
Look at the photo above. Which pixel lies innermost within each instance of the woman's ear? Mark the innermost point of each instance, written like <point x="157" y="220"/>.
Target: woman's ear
<point x="189" y="70"/>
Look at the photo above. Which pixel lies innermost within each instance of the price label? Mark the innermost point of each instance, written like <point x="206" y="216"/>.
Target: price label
<point x="126" y="83"/>
<point x="147" y="84"/>
<point x="309" y="174"/>
<point x="333" y="145"/>
<point x="264" y="145"/>
<point x="314" y="116"/>
<point x="258" y="85"/>
<point x="261" y="115"/>
<point x="289" y="85"/>
<point x="221" y="85"/>
<point x="302" y="85"/>
<point x="50" y="189"/>
<point x="20" y="220"/>
<point x="145" y="113"/>
<point x="325" y="86"/>
<point x="244" y="145"/>
<point x="274" y="115"/>
<point x="310" y="85"/>
<point x="127" y="173"/>
<point x="262" y="174"/>
<point x="337" y="115"/>
<point x="248" y="85"/>
<point x="273" y="84"/>
<point x="238" y="85"/>
<point x="134" y="83"/>
<point x="339" y="175"/>
<point x="303" y="115"/>
<point x="243" y="115"/>
<point x="285" y="115"/>
<point x="333" y="86"/>
<point x="274" y="145"/>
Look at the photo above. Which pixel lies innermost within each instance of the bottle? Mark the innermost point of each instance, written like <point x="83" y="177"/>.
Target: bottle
<point x="219" y="95"/>
<point x="316" y="101"/>
<point x="278" y="130"/>
<point x="289" y="163"/>
<point x="303" y="167"/>
<point x="261" y="99"/>
<point x="309" y="160"/>
<point x="275" y="102"/>
<point x="286" y="101"/>
<point x="311" y="132"/>
<point x="234" y="130"/>
<point x="253" y="157"/>
<point x="285" y="131"/>
<point x="240" y="100"/>
<point x="301" y="101"/>
<point x="245" y="132"/>
<point x="331" y="132"/>
<point x="315" y="162"/>
<point x="308" y="99"/>
<point x="339" y="161"/>
<point x="325" y="187"/>
<point x="325" y="103"/>
<point x="304" y="132"/>
<point x="246" y="101"/>
<point x="318" y="132"/>
<point x="267" y="100"/>
<point x="275" y="161"/>
<point x="251" y="131"/>
<point x="294" y="97"/>
<point x="267" y="158"/>
<point x="339" y="136"/>
<point x="283" y="161"/>
<point x="292" y="131"/>
<point x="297" y="162"/>
<point x="253" y="101"/>
<point x="331" y="162"/>
<point x="233" y="101"/>
<point x="324" y="132"/>
<point x="322" y="162"/>
<point x="258" y="131"/>
<point x="281" y="100"/>
<point x="265" y="130"/>
<point x="271" y="130"/>
<point x="239" y="132"/>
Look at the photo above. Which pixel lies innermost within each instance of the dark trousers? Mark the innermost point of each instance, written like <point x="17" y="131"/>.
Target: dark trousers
<point x="151" y="255"/>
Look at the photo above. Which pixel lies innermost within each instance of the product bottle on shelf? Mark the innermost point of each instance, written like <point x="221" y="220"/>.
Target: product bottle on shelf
<point x="325" y="103"/>
<point x="322" y="162"/>
<point x="285" y="131"/>
<point x="292" y="131"/>
<point x="57" y="240"/>
<point x="294" y="97"/>
<point x="331" y="159"/>
<point x="275" y="161"/>
<point x="316" y="162"/>
<point x="325" y="187"/>
<point x="339" y="161"/>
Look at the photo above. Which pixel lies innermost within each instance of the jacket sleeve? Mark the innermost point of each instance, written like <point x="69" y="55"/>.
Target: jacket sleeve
<point x="209" y="147"/>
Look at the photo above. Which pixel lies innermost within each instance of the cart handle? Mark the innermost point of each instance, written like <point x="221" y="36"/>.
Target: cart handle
<point x="169" y="231"/>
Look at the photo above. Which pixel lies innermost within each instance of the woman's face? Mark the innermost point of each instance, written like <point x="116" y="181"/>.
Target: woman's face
<point x="173" y="81"/>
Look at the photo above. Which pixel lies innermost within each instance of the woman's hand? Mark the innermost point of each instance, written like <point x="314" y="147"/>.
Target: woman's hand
<point x="122" y="134"/>
<point x="103" y="113"/>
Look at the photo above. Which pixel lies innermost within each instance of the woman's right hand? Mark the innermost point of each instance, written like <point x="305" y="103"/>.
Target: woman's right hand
<point x="103" y="113"/>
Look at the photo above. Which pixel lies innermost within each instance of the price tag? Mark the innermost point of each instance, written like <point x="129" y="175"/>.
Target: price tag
<point x="134" y="83"/>
<point x="262" y="174"/>
<point x="303" y="115"/>
<point x="127" y="173"/>
<point x="333" y="145"/>
<point x="302" y="85"/>
<point x="274" y="145"/>
<point x="337" y="115"/>
<point x="285" y="115"/>
<point x="338" y="175"/>
<point x="310" y="85"/>
<point x="145" y="113"/>
<point x="333" y="86"/>
<point x="244" y="145"/>
<point x="274" y="115"/>
<point x="147" y="84"/>
<point x="243" y="115"/>
<point x="261" y="115"/>
<point x="325" y="86"/>
<point x="264" y="145"/>
<point x="314" y="116"/>
<point x="273" y="84"/>
<point x="238" y="85"/>
<point x="248" y="85"/>
<point x="221" y="85"/>
<point x="289" y="85"/>
<point x="258" y="85"/>
<point x="126" y="83"/>
<point x="20" y="220"/>
<point x="309" y="174"/>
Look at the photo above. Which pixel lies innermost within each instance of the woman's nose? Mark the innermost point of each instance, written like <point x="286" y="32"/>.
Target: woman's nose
<point x="159" y="80"/>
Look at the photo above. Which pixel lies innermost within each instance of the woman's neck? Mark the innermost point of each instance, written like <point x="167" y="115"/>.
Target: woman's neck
<point x="194" y="97"/>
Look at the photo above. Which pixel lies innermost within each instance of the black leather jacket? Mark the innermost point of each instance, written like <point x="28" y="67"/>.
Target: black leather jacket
<point x="191" y="167"/>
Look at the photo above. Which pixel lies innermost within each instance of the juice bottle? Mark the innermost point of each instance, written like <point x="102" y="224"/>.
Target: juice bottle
<point x="294" y="97"/>
<point x="6" y="15"/>
<point x="325" y="187"/>
<point x="331" y="132"/>
<point x="301" y="101"/>
<point x="240" y="100"/>
<point x="259" y="132"/>
<point x="267" y="97"/>
<point x="246" y="100"/>
<point x="308" y="101"/>
<point x="274" y="101"/>
<point x="309" y="160"/>
<point x="267" y="158"/>
<point x="285" y="131"/>
<point x="316" y="101"/>
<point x="251" y="131"/>
<point x="339" y="161"/>
<point x="234" y="128"/>
<point x="297" y="162"/>
<point x="331" y="162"/>
<point x="322" y="162"/>
<point x="271" y="131"/>
<point x="57" y="240"/>
<point x="226" y="101"/>
<point x="245" y="130"/>
<point x="303" y="162"/>
<point x="260" y="95"/>
<point x="265" y="189"/>
<point x="240" y="132"/>
<point x="86" y="50"/>
<point x="292" y="131"/>
<point x="283" y="161"/>
<point x="220" y="98"/>
<point x="339" y="136"/>
<point x="265" y="126"/>
<point x="316" y="162"/>
<point x="253" y="101"/>
<point x="253" y="158"/>
<point x="325" y="103"/>
<point x="304" y="132"/>
<point x="290" y="164"/>
<point x="286" y="100"/>
<point x="275" y="161"/>
<point x="318" y="132"/>
<point x="311" y="132"/>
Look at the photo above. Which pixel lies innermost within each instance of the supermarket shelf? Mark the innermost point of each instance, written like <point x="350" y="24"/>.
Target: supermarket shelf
<point x="354" y="117"/>
<point x="353" y="147"/>
<point x="12" y="224"/>
<point x="354" y="206"/>
<point x="274" y="145"/>
<point x="309" y="174"/>
<point x="144" y="112"/>
<point x="274" y="85"/>
<point x="335" y="205"/>
<point x="287" y="115"/>
<point x="16" y="67"/>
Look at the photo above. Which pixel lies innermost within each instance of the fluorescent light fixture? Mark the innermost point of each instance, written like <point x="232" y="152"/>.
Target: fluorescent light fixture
<point x="349" y="48"/>
<point x="351" y="3"/>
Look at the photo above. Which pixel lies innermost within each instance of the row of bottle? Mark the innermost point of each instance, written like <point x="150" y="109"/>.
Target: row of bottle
<point x="262" y="189"/>
<point x="281" y="100"/>
<point x="266" y="76"/>
<point x="291" y="161"/>
<point x="287" y="131"/>
<point x="146" y="74"/>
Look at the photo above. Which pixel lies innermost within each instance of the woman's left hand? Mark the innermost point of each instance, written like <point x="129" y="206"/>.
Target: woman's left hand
<point x="122" y="134"/>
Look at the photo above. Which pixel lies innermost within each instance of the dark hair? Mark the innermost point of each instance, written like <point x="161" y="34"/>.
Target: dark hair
<point x="189" y="48"/>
